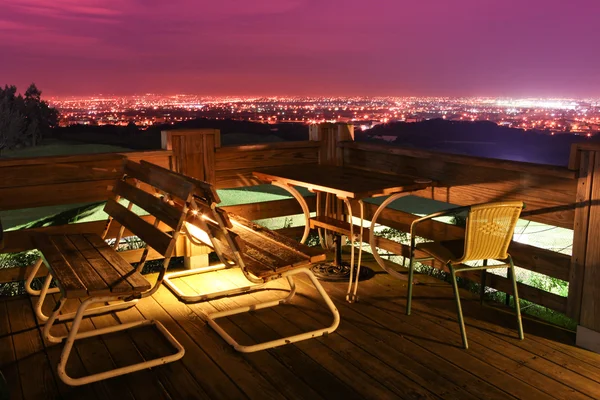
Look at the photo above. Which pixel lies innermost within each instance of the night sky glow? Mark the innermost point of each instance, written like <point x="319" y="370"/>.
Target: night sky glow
<point x="543" y="48"/>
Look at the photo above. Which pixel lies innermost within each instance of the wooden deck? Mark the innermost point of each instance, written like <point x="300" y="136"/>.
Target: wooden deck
<point x="377" y="352"/>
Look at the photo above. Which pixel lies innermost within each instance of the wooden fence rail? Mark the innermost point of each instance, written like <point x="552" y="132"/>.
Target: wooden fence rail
<point x="553" y="195"/>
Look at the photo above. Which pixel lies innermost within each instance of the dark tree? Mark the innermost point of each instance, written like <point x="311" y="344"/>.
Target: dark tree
<point x="24" y="120"/>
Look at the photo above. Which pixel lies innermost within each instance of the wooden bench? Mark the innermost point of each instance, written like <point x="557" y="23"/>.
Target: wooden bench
<point x="85" y="267"/>
<point x="262" y="256"/>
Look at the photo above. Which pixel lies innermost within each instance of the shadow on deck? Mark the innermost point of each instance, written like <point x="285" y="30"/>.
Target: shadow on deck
<point x="377" y="352"/>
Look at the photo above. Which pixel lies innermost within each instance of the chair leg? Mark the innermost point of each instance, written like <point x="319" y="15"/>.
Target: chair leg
<point x="292" y="293"/>
<point x="483" y="282"/>
<point x="75" y="335"/>
<point x="461" y="321"/>
<point x="40" y="302"/>
<point x="516" y="295"/>
<point x="509" y="276"/>
<point x="211" y="319"/>
<point x="31" y="291"/>
<point x="411" y="270"/>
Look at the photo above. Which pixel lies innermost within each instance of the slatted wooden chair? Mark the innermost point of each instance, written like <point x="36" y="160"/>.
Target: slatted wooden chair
<point x="262" y="256"/>
<point x="488" y="234"/>
<point x="85" y="267"/>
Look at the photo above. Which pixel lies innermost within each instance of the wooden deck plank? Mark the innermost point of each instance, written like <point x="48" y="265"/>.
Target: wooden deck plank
<point x="402" y="363"/>
<point x="74" y="367"/>
<point x="397" y="383"/>
<point x="175" y="378"/>
<point x="212" y="379"/>
<point x="315" y="375"/>
<point x="290" y="385"/>
<point x="497" y="383"/>
<point x="95" y="357"/>
<point x="143" y="384"/>
<point x="33" y="363"/>
<point x="522" y="364"/>
<point x="351" y="375"/>
<point x="501" y="323"/>
<point x="415" y="355"/>
<point x="251" y="382"/>
<point x="499" y="328"/>
<point x="542" y="351"/>
<point x="500" y="353"/>
<point x="554" y="365"/>
<point x="311" y="372"/>
<point x="377" y="352"/>
<point x="8" y="359"/>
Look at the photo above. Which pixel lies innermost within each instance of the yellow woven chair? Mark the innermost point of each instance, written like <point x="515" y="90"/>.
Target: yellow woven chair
<point x="488" y="233"/>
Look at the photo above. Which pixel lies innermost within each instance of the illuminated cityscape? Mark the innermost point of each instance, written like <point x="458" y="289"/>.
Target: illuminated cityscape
<point x="581" y="117"/>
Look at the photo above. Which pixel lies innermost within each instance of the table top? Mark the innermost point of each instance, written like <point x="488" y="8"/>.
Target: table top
<point x="344" y="182"/>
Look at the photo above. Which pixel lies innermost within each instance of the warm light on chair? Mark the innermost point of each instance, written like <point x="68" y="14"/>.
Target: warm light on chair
<point x="195" y="234"/>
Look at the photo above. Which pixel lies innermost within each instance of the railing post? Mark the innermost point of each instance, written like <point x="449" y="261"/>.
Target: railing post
<point x="194" y="155"/>
<point x="330" y="135"/>
<point x="584" y="281"/>
<point x="193" y="151"/>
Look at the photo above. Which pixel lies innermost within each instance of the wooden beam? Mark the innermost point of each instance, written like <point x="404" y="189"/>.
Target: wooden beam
<point x="580" y="234"/>
<point x="548" y="191"/>
<point x="529" y="168"/>
<point x="590" y="300"/>
<point x="536" y="259"/>
<point x="270" y="209"/>
<point x="193" y="151"/>
<point x="252" y="158"/>
<point x="535" y="295"/>
<point x="49" y="181"/>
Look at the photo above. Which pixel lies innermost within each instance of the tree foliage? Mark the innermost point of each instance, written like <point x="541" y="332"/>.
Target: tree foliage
<point x="24" y="120"/>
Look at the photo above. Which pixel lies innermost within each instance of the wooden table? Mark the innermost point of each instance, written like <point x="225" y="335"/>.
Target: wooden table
<point x="345" y="184"/>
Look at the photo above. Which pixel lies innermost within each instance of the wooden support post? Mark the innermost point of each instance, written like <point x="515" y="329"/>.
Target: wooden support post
<point x="195" y="256"/>
<point x="584" y="280"/>
<point x="193" y="151"/>
<point x="330" y="135"/>
<point x="194" y="155"/>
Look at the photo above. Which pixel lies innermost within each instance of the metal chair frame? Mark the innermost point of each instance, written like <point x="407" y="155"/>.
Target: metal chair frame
<point x="235" y="260"/>
<point x="452" y="266"/>
<point x="123" y="302"/>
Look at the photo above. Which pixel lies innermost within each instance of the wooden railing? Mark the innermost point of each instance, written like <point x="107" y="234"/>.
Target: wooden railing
<point x="50" y="181"/>
<point x="562" y="197"/>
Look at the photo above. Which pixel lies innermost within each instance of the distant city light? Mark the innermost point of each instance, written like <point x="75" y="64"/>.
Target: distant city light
<point x="579" y="117"/>
<point x="535" y="103"/>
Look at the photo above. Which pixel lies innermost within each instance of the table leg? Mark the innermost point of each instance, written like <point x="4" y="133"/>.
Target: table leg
<point x="372" y="237"/>
<point x="300" y="199"/>
<point x="351" y="296"/>
<point x="324" y="237"/>
<point x="337" y="261"/>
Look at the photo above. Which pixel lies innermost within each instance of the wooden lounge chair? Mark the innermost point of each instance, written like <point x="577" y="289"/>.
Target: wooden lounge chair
<point x="488" y="234"/>
<point x="261" y="254"/>
<point x="85" y="267"/>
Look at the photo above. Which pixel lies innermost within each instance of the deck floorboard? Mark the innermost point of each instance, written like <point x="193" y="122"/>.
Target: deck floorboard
<point x="377" y="352"/>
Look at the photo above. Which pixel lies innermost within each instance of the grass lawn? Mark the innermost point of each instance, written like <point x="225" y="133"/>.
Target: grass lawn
<point x="56" y="147"/>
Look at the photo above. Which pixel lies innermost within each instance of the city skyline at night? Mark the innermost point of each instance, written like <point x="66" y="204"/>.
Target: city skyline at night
<point x="464" y="48"/>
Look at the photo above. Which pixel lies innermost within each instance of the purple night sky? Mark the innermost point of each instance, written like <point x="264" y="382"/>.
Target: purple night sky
<point x="303" y="47"/>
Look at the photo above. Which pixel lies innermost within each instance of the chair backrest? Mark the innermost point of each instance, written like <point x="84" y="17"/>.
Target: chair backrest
<point x="490" y="229"/>
<point x="163" y="194"/>
<point x="211" y="225"/>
